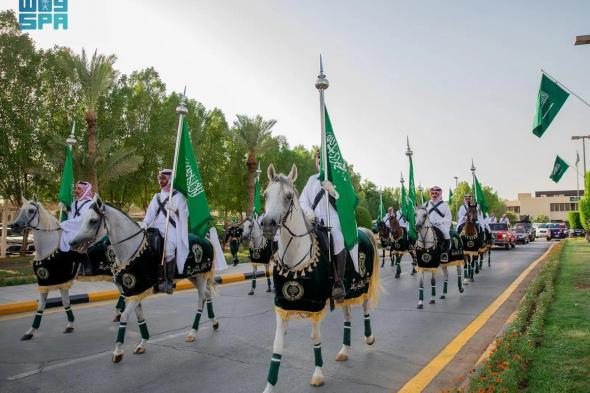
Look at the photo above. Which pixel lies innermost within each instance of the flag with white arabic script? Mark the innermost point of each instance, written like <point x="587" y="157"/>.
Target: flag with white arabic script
<point x="188" y="181"/>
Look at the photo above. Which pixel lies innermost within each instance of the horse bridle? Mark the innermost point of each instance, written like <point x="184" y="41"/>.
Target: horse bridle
<point x="36" y="214"/>
<point x="102" y="221"/>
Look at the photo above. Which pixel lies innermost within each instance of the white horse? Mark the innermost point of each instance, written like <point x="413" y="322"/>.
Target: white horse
<point x="298" y="252"/>
<point x="46" y="235"/>
<point x="129" y="241"/>
<point x="258" y="244"/>
<point x="428" y="248"/>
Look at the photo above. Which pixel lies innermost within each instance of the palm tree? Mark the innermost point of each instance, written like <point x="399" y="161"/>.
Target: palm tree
<point x="253" y="132"/>
<point x="93" y="78"/>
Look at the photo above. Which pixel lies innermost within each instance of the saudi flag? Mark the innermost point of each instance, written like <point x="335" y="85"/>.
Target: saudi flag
<point x="346" y="200"/>
<point x="404" y="202"/>
<point x="559" y="169"/>
<point x="411" y="205"/>
<point x="381" y="212"/>
<point x="257" y="208"/>
<point x="450" y="196"/>
<point x="549" y="101"/>
<point x="479" y="196"/>
<point x="188" y="181"/>
<point x="67" y="184"/>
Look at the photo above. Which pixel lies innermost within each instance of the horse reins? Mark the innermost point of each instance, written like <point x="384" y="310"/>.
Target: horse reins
<point x="36" y="214"/>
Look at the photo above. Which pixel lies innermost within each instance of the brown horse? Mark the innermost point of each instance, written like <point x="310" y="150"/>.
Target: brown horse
<point x="384" y="237"/>
<point x="471" y="238"/>
<point x="400" y="244"/>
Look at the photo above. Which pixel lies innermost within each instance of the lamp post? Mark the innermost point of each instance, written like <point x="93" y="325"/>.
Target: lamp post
<point x="582" y="40"/>
<point x="583" y="138"/>
<point x="456" y="181"/>
<point x="71" y="140"/>
<point x="420" y="189"/>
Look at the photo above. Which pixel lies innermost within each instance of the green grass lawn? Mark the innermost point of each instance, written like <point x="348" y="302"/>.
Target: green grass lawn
<point x="16" y="271"/>
<point x="562" y="362"/>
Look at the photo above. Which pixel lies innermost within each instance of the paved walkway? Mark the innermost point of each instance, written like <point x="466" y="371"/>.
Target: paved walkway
<point x="19" y="293"/>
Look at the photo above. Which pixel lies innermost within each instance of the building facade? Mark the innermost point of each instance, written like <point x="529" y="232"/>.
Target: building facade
<point x="553" y="204"/>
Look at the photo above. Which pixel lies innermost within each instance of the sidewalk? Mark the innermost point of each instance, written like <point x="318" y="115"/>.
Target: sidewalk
<point x="27" y="292"/>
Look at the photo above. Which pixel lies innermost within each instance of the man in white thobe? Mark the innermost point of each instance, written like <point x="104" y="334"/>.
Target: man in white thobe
<point x="439" y="214"/>
<point x="76" y="212"/>
<point x="176" y="245"/>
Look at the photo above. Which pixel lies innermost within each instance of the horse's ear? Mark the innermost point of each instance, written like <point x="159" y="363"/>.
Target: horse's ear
<point x="293" y="173"/>
<point x="35" y="198"/>
<point x="23" y="200"/>
<point x="98" y="201"/>
<point x="271" y="172"/>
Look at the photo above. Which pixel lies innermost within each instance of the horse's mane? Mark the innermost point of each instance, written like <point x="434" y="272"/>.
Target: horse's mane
<point x="93" y="206"/>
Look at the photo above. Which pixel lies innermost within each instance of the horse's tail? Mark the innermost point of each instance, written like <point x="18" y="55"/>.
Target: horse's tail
<point x="374" y="283"/>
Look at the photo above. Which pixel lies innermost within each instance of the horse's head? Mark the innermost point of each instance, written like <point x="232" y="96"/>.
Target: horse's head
<point x="279" y="197"/>
<point x="93" y="226"/>
<point x="247" y="228"/>
<point x="472" y="213"/>
<point x="28" y="215"/>
<point x="421" y="215"/>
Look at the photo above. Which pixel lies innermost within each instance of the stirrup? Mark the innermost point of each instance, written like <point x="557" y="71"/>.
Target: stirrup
<point x="338" y="292"/>
<point x="444" y="257"/>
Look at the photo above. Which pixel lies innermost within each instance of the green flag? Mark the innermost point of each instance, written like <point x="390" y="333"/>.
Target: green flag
<point x="404" y="202"/>
<point x="479" y="196"/>
<point x="559" y="169"/>
<point x="188" y="182"/>
<point x="257" y="208"/>
<point x="67" y="184"/>
<point x="450" y="196"/>
<point x="337" y="174"/>
<point x="381" y="212"/>
<point x="411" y="203"/>
<point x="549" y="101"/>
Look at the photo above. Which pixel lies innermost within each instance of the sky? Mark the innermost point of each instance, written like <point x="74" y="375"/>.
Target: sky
<point x="458" y="78"/>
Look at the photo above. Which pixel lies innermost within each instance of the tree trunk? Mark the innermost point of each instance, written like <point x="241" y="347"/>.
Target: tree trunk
<point x="251" y="165"/>
<point x="92" y="144"/>
<point x="24" y="245"/>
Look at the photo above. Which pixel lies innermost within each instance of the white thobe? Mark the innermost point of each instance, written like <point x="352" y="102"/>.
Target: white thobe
<point x="177" y="239"/>
<point x="442" y="223"/>
<point x="462" y="216"/>
<point x="504" y="220"/>
<point x="71" y="226"/>
<point x="401" y="220"/>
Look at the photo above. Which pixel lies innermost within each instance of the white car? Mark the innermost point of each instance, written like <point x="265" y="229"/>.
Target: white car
<point x="542" y="229"/>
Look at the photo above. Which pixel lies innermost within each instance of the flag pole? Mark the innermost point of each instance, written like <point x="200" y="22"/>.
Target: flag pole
<point x="565" y="88"/>
<point x="473" y="179"/>
<point x="258" y="172"/>
<point x="322" y="84"/>
<point x="578" y="177"/>
<point x="409" y="153"/>
<point x="182" y="111"/>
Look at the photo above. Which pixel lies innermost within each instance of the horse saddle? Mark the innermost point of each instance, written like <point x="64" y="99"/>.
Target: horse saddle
<point x="200" y="257"/>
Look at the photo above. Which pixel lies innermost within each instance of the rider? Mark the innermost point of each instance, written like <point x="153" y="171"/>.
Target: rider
<point x="462" y="215"/>
<point x="492" y="218"/>
<point x="313" y="202"/>
<point x="71" y="226"/>
<point x="176" y="246"/>
<point x="388" y="216"/>
<point x="234" y="234"/>
<point x="440" y="216"/>
<point x="504" y="219"/>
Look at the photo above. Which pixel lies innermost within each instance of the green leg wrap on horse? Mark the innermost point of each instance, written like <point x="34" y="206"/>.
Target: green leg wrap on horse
<point x="269" y="282"/>
<point x="145" y="334"/>
<point x="254" y="283"/>
<point x="421" y="294"/>
<point x="433" y="286"/>
<point x="317" y="354"/>
<point x="197" y="319"/>
<point x="273" y="371"/>
<point x="346" y="339"/>
<point x="37" y="319"/>
<point x="399" y="268"/>
<point x="69" y="314"/>
<point x="459" y="280"/>
<point x="121" y="332"/>
<point x="445" y="286"/>
<point x="120" y="303"/>
<point x="210" y="312"/>
<point x="367" y="325"/>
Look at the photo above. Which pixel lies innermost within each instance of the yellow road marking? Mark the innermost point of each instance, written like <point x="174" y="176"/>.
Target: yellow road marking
<point x="421" y="380"/>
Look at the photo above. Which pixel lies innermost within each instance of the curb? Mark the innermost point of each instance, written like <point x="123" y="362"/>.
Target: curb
<point x="181" y="285"/>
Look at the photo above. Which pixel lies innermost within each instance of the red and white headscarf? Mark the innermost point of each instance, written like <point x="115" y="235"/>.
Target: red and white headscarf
<point x="168" y="174"/>
<point x="439" y="198"/>
<point x="87" y="187"/>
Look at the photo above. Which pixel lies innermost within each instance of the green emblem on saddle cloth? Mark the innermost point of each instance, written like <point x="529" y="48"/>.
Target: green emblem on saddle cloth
<point x="56" y="270"/>
<point x="263" y="254"/>
<point x="200" y="257"/>
<point x="456" y="254"/>
<point x="357" y="284"/>
<point x="429" y="258"/>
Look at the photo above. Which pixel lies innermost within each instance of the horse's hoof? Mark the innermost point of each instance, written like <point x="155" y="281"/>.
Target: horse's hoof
<point x="139" y="350"/>
<point x="432" y="301"/>
<point x="269" y="290"/>
<point x="317" y="381"/>
<point x="251" y="292"/>
<point x="117" y="318"/>
<point x="443" y="297"/>
<point x="26" y="337"/>
<point x="117" y="358"/>
<point x="420" y="306"/>
<point x="397" y="275"/>
<point x="472" y="279"/>
<point x="382" y="264"/>
<point x="215" y="325"/>
<point x="341" y="357"/>
<point x="69" y="329"/>
<point x="461" y="290"/>
<point x="370" y="340"/>
<point x="190" y="339"/>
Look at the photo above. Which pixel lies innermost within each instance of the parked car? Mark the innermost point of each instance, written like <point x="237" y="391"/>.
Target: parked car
<point x="15" y="240"/>
<point x="522" y="236"/>
<point x="502" y="235"/>
<point x="528" y="228"/>
<point x="578" y="232"/>
<point x="556" y="231"/>
<point x="542" y="230"/>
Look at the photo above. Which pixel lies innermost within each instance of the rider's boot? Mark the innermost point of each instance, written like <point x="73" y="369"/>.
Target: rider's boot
<point x="338" y="290"/>
<point x="167" y="282"/>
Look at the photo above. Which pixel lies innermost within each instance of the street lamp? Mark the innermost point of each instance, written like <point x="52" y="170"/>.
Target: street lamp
<point x="456" y="181"/>
<point x="582" y="40"/>
<point x="420" y="189"/>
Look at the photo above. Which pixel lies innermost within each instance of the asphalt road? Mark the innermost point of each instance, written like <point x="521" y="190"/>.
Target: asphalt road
<point x="236" y="357"/>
